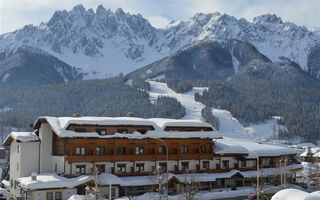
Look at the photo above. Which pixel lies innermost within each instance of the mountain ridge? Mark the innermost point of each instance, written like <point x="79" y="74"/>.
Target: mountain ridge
<point x="103" y="43"/>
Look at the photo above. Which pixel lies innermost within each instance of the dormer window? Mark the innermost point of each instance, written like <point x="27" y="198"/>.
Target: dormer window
<point x="101" y="131"/>
<point x="122" y="131"/>
<point x="80" y="130"/>
<point x="142" y="131"/>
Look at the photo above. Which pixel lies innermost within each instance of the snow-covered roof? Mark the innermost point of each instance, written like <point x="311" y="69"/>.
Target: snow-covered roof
<point x="60" y="124"/>
<point x="295" y="194"/>
<point x="315" y="152"/>
<point x="251" y="148"/>
<point x="107" y="178"/>
<point x="46" y="181"/>
<point x="21" y="137"/>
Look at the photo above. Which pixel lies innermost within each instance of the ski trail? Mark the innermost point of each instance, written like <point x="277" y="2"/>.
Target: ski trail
<point x="229" y="126"/>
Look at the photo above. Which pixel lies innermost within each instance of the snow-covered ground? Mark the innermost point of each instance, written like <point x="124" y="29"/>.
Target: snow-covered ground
<point x="295" y="194"/>
<point x="229" y="126"/>
<point x="204" y="195"/>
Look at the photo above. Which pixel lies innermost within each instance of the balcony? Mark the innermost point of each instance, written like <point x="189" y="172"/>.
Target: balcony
<point x="136" y="157"/>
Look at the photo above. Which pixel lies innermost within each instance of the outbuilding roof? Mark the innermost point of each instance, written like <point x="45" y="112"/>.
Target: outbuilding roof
<point x="20" y="137"/>
<point x="250" y="148"/>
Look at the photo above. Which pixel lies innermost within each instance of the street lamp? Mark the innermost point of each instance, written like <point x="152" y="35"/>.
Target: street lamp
<point x="167" y="150"/>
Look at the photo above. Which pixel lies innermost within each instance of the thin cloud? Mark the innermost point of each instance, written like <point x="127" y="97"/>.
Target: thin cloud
<point x="17" y="13"/>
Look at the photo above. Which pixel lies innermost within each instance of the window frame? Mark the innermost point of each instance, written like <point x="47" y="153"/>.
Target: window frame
<point x="203" y="149"/>
<point x="184" y="149"/>
<point x="163" y="166"/>
<point x="81" y="151"/>
<point x="101" y="130"/>
<point x="162" y="150"/>
<point x="122" y="167"/>
<point x="121" y="150"/>
<point x="81" y="167"/>
<point x="243" y="164"/>
<point x="226" y="164"/>
<point x="80" y="130"/>
<point x="183" y="164"/>
<point x="99" y="151"/>
<point x="139" y="166"/>
<point x="101" y="166"/>
<point x="204" y="163"/>
<point x="139" y="150"/>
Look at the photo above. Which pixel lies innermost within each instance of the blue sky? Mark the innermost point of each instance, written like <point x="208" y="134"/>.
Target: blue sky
<point x="15" y="14"/>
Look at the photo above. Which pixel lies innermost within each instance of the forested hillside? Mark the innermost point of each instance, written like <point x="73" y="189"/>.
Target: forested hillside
<point x="252" y="103"/>
<point x="109" y="97"/>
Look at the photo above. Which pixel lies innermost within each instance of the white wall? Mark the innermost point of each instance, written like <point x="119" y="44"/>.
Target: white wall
<point x="45" y="135"/>
<point x="59" y="160"/>
<point x="14" y="159"/>
<point x="29" y="158"/>
<point x="104" y="191"/>
<point x="232" y="162"/>
<point x="192" y="164"/>
<point x="42" y="194"/>
<point x="127" y="163"/>
<point x="89" y="167"/>
<point x="25" y="162"/>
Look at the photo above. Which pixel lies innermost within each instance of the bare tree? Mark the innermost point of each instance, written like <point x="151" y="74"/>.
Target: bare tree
<point x="190" y="187"/>
<point x="159" y="179"/>
<point x="94" y="191"/>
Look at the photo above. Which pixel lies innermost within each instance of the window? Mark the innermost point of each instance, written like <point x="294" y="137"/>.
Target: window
<point x="100" y="150"/>
<point x="101" y="131"/>
<point x="142" y="131"/>
<point x="122" y="130"/>
<point x="54" y="196"/>
<point x="80" y="151"/>
<point x="121" y="150"/>
<point x="184" y="165"/>
<point x="205" y="164"/>
<point x="121" y="168"/>
<point x="17" y="166"/>
<point x="265" y="161"/>
<point x="49" y="195"/>
<point x="162" y="150"/>
<point x="139" y="150"/>
<point x="203" y="149"/>
<point x="163" y="166"/>
<point x="139" y="167"/>
<point x="18" y="149"/>
<point x="101" y="168"/>
<point x="80" y="130"/>
<point x="225" y="164"/>
<point x="184" y="149"/>
<point x="243" y="164"/>
<point x="57" y="196"/>
<point x="81" y="169"/>
<point x="254" y="163"/>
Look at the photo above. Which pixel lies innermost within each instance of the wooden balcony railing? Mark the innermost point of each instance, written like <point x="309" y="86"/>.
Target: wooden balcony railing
<point x="134" y="157"/>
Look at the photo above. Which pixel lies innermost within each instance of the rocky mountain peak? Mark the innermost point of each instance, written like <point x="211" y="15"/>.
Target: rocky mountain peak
<point x="267" y="18"/>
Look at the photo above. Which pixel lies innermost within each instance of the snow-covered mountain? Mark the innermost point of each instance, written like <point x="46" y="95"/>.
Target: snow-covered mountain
<point x="105" y="42"/>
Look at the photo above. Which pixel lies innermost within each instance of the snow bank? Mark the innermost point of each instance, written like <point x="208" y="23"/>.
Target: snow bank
<point x="295" y="194"/>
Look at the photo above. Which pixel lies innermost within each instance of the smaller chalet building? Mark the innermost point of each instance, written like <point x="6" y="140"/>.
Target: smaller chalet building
<point x="66" y="155"/>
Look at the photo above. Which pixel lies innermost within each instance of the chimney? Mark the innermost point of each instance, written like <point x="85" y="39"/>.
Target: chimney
<point x="33" y="176"/>
<point x="129" y="114"/>
<point x="76" y="115"/>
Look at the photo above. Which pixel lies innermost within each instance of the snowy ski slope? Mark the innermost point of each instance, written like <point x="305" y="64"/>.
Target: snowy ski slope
<point x="229" y="126"/>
